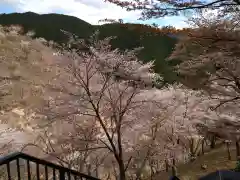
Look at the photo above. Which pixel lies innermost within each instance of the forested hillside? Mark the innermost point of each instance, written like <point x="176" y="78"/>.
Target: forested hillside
<point x="157" y="45"/>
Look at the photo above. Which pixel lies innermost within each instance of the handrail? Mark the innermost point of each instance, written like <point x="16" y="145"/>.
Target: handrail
<point x="16" y="155"/>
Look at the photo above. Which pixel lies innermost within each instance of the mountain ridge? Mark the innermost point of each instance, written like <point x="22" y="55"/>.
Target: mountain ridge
<point x="157" y="45"/>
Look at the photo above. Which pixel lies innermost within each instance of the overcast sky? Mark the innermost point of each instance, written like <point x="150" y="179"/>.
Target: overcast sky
<point x="88" y="10"/>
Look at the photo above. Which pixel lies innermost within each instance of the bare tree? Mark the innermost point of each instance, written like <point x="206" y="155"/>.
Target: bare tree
<point x="160" y="8"/>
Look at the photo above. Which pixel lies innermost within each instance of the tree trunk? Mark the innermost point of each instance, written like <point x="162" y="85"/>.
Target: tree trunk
<point x="203" y="146"/>
<point x="89" y="170"/>
<point x="237" y="149"/>
<point x="122" y="174"/>
<point x="213" y="141"/>
<point x="174" y="168"/>
<point x="228" y="151"/>
<point x="167" y="165"/>
<point x="96" y="172"/>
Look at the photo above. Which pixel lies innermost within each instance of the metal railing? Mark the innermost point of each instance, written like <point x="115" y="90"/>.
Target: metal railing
<point x="19" y="166"/>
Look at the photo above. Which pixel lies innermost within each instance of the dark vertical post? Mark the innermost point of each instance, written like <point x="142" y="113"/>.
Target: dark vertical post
<point x="237" y="148"/>
<point x="54" y="174"/>
<point x="174" y="168"/>
<point x="203" y="150"/>
<point x="46" y="173"/>
<point x="18" y="169"/>
<point x="8" y="171"/>
<point x="69" y="176"/>
<point x="61" y="174"/>
<point x="213" y="141"/>
<point x="37" y="169"/>
<point x="167" y="165"/>
<point x="28" y="170"/>
<point x="228" y="150"/>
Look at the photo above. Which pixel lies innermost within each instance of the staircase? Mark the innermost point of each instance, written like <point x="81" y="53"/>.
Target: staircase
<point x="21" y="166"/>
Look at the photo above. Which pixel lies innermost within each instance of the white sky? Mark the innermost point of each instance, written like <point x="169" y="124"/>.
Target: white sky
<point x="88" y="10"/>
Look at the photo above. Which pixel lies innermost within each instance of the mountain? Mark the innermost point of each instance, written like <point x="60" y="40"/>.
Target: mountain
<point x="48" y="25"/>
<point x="157" y="45"/>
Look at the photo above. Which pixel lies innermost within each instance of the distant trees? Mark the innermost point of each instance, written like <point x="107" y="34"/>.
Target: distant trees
<point x="154" y="28"/>
<point x="21" y="61"/>
<point x="21" y="65"/>
<point x="111" y="21"/>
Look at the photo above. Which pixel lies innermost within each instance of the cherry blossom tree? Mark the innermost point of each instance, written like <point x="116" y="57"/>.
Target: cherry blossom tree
<point x="209" y="58"/>
<point x="113" y="95"/>
<point x="108" y="88"/>
<point x="74" y="146"/>
<point x="22" y="62"/>
<point x="210" y="54"/>
<point x="226" y="127"/>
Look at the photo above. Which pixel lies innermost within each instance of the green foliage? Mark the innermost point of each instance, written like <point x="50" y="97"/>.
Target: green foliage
<point x="157" y="46"/>
<point x="237" y="166"/>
